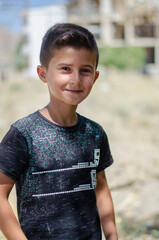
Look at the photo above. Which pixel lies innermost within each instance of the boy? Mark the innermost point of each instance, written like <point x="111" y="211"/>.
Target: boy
<point x="56" y="157"/>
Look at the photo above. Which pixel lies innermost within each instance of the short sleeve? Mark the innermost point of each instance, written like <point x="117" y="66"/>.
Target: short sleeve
<point x="105" y="154"/>
<point x="13" y="154"/>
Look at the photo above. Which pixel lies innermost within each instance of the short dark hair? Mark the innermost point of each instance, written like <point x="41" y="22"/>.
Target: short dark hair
<point x="66" y="34"/>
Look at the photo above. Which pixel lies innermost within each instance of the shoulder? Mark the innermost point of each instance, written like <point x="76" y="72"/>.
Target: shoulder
<point x="26" y="123"/>
<point x="92" y="126"/>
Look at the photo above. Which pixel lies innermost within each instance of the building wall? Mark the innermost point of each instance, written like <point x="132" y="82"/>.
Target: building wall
<point x="36" y="23"/>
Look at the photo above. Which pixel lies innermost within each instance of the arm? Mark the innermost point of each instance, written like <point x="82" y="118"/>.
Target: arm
<point x="8" y="221"/>
<point x="105" y="207"/>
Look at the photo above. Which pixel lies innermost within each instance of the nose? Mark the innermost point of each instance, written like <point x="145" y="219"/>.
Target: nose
<point x="75" y="78"/>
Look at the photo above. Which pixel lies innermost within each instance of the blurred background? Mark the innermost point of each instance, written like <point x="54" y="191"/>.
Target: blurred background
<point x="125" y="99"/>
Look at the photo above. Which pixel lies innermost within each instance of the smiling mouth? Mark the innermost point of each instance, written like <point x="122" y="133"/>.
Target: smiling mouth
<point x="73" y="90"/>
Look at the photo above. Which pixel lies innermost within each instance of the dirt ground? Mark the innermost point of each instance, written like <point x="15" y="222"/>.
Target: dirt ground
<point x="126" y="104"/>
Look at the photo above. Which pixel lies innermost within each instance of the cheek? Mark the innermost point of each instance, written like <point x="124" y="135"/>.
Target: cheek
<point x="88" y="85"/>
<point x="57" y="82"/>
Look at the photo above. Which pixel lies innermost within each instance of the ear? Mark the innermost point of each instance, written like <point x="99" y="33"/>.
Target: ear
<point x="96" y="76"/>
<point x="42" y="73"/>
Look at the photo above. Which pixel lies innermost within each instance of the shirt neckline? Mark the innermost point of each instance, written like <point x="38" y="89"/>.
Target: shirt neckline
<point x="59" y="126"/>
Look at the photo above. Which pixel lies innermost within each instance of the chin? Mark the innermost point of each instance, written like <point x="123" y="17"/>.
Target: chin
<point x="74" y="103"/>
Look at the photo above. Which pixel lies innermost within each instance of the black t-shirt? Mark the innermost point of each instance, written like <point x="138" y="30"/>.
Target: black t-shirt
<point x="55" y="172"/>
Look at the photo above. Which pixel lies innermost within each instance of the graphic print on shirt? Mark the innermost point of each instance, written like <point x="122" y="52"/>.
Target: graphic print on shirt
<point x="66" y="180"/>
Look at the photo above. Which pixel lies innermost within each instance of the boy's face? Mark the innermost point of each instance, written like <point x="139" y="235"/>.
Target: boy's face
<point x="70" y="75"/>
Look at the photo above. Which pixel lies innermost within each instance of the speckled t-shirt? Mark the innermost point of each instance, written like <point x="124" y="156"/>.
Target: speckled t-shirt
<point x="55" y="172"/>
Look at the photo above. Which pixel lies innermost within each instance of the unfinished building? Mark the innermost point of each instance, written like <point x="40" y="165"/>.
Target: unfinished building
<point x="117" y="23"/>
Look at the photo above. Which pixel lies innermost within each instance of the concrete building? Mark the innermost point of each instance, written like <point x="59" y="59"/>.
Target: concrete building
<point x="36" y="22"/>
<point x="117" y="23"/>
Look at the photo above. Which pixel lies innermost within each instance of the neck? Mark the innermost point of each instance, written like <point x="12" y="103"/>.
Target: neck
<point x="61" y="115"/>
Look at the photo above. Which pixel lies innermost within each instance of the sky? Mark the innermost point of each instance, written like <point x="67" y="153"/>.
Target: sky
<point x="10" y="11"/>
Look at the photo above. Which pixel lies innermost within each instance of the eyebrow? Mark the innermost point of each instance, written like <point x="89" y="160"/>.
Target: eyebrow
<point x="90" y="66"/>
<point x="66" y="64"/>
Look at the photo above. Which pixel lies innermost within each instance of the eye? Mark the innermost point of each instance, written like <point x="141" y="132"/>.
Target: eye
<point x="66" y="69"/>
<point x="85" y="70"/>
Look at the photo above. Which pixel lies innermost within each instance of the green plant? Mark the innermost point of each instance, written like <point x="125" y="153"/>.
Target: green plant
<point x="20" y="58"/>
<point x="155" y="233"/>
<point x="122" y="57"/>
